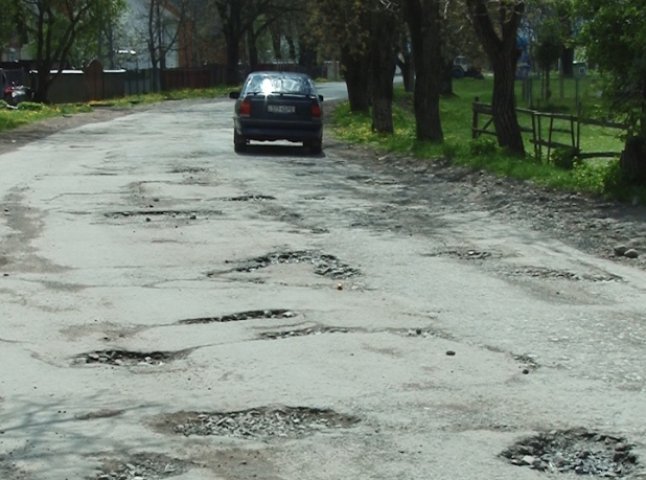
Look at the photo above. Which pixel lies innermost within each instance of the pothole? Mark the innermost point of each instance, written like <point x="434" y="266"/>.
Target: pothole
<point x="555" y="274"/>
<point x="125" y="358"/>
<point x="263" y="422"/>
<point x="251" y="198"/>
<point x="324" y="264"/>
<point x="464" y="254"/>
<point x="98" y="414"/>
<point x="527" y="363"/>
<point x="141" y="466"/>
<point x="190" y="214"/>
<point x="574" y="451"/>
<point x="189" y="170"/>
<point x="241" y="316"/>
<point x="301" y="332"/>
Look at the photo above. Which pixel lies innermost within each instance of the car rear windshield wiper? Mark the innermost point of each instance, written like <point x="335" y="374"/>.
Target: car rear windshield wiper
<point x="297" y="94"/>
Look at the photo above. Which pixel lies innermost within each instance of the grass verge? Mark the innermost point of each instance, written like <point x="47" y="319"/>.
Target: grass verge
<point x="30" y="112"/>
<point x="597" y="177"/>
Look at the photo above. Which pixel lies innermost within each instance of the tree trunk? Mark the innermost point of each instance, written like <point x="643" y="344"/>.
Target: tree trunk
<point x="504" y="106"/>
<point x="567" y="62"/>
<point x="382" y="69"/>
<point x="357" y="80"/>
<point x="233" y="57"/>
<point x="252" y="48"/>
<point x="423" y="18"/>
<point x="633" y="161"/>
<point x="503" y="55"/>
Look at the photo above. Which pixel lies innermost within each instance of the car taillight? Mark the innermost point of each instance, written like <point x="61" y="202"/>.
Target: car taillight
<point x="245" y="108"/>
<point x="315" y="110"/>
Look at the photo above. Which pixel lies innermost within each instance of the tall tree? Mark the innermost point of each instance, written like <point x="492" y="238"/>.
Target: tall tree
<point x="164" y="25"/>
<point x="424" y="22"/>
<point x="498" y="38"/>
<point x="382" y="51"/>
<point x="55" y="26"/>
<point x="615" y="36"/>
<point x="343" y="29"/>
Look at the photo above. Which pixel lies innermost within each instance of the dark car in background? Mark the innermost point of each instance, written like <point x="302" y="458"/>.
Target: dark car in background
<point x="278" y="106"/>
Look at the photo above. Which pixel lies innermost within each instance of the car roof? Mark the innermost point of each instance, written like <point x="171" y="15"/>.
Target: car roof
<point x="272" y="73"/>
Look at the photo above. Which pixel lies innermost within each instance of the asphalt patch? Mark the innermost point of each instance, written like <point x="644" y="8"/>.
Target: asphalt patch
<point x="574" y="451"/>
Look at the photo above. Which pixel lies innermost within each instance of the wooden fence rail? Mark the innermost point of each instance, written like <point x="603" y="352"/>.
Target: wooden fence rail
<point x="556" y="124"/>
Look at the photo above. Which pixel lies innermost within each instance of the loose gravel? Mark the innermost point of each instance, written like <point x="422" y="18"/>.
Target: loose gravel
<point x="127" y="358"/>
<point x="141" y="466"/>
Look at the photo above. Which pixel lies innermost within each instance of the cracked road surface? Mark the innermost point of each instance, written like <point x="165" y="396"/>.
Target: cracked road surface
<point x="170" y="309"/>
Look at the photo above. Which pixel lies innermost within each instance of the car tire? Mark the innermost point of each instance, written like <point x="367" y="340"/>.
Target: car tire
<point x="239" y="142"/>
<point x="315" y="146"/>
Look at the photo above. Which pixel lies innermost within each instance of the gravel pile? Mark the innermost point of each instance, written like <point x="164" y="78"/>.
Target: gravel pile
<point x="324" y="265"/>
<point x="142" y="466"/>
<point x="263" y="422"/>
<point x="577" y="451"/>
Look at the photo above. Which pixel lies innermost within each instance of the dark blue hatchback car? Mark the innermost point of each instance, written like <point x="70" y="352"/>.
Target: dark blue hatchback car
<point x="278" y="106"/>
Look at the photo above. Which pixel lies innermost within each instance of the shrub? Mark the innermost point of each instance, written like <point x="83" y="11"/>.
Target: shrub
<point x="31" y="106"/>
<point x="565" y="158"/>
<point x="483" y="146"/>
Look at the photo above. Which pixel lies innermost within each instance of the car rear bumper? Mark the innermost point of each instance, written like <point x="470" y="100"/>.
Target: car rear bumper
<point x="267" y="130"/>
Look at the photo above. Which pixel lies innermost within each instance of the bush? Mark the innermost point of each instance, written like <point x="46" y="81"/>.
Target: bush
<point x="565" y="158"/>
<point x="483" y="146"/>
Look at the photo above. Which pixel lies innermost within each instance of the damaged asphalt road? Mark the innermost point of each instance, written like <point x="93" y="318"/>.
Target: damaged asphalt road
<point x="170" y="309"/>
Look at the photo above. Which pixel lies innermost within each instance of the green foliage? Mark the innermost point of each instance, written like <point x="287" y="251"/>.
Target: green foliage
<point x="483" y="146"/>
<point x="33" y="106"/>
<point x="614" y="34"/>
<point x="565" y="158"/>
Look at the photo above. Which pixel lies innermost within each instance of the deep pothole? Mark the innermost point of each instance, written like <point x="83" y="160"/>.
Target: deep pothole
<point x="259" y="423"/>
<point x="241" y="316"/>
<point x="324" y="264"/>
<point x="127" y="358"/>
<point x="574" y="451"/>
<point x="141" y="466"/>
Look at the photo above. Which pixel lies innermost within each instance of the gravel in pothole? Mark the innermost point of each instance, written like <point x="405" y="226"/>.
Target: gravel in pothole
<point x="324" y="264"/>
<point x="574" y="451"/>
<point x="141" y="466"/>
<point x="241" y="316"/>
<point x="301" y="332"/>
<point x="263" y="422"/>
<point x="127" y="358"/>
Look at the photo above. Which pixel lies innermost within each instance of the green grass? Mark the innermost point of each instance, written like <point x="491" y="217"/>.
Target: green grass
<point x="30" y="112"/>
<point x="598" y="177"/>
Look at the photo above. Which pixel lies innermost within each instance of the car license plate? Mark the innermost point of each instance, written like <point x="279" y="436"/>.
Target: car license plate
<point x="281" y="108"/>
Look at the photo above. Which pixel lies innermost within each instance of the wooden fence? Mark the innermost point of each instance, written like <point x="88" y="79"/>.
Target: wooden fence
<point x="544" y="129"/>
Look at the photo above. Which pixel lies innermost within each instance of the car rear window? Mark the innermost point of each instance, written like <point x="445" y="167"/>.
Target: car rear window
<point x="268" y="84"/>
